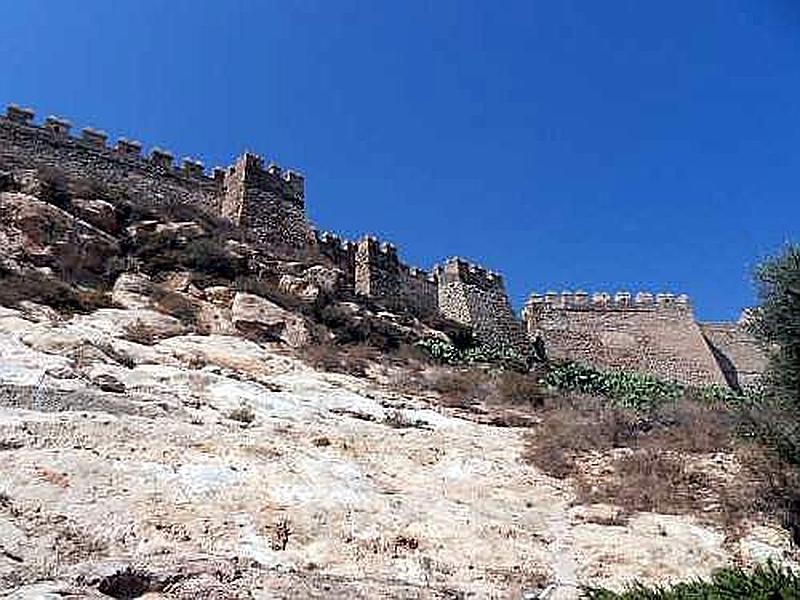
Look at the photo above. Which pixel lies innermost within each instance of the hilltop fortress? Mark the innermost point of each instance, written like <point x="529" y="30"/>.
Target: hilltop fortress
<point x="655" y="334"/>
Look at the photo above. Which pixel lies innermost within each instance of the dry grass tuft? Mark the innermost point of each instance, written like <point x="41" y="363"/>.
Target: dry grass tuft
<point x="652" y="462"/>
<point x="243" y="414"/>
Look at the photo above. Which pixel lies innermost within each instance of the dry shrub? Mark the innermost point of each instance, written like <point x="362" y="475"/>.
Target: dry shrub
<point x="689" y="427"/>
<point x="648" y="480"/>
<point x="280" y="534"/>
<point x="360" y="328"/>
<point x="140" y="333"/>
<point x="520" y="389"/>
<point x="243" y="414"/>
<point x="351" y="360"/>
<point x="409" y="356"/>
<point x="765" y="485"/>
<point x="658" y="471"/>
<point x="53" y="187"/>
<point x="267" y="287"/>
<point x="56" y="294"/>
<point x="186" y="310"/>
<point x="459" y="387"/>
<point x="568" y="432"/>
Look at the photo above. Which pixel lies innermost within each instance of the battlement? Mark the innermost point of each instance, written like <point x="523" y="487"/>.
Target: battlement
<point x="382" y="276"/>
<point x="250" y="168"/>
<point x="379" y="254"/>
<point x="653" y="333"/>
<point x="603" y="301"/>
<point x="267" y="200"/>
<point x="59" y="130"/>
<point x="456" y="269"/>
<point x="643" y="331"/>
<point x="328" y="242"/>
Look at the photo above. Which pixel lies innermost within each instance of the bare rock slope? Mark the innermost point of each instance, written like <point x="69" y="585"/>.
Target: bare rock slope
<point x="217" y="467"/>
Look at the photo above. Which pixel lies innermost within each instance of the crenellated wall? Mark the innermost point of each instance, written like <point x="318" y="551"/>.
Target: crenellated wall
<point x="381" y="276"/>
<point x="473" y="296"/>
<point x="342" y="255"/>
<point x="645" y="332"/>
<point x="656" y="334"/>
<point x="154" y="178"/>
<point x="268" y="201"/>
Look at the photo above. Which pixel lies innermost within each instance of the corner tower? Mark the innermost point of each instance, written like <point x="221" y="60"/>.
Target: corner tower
<point x="473" y="296"/>
<point x="268" y="201"/>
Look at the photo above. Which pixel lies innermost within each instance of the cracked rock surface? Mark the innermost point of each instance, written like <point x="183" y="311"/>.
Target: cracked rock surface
<point x="217" y="467"/>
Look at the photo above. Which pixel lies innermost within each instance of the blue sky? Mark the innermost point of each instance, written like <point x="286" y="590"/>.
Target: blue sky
<point x="601" y="145"/>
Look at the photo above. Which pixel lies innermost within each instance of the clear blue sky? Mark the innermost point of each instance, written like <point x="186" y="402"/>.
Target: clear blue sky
<point x="601" y="145"/>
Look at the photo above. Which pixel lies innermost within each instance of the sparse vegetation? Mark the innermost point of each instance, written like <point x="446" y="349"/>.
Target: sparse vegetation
<point x="450" y="354"/>
<point x="243" y="414"/>
<point x="179" y="306"/>
<point x="140" y="333"/>
<point x="397" y="419"/>
<point x="764" y="582"/>
<point x="653" y="461"/>
<point x="352" y="360"/>
<point x="281" y="533"/>
<point x="207" y="256"/>
<point x="58" y="295"/>
<point x="53" y="187"/>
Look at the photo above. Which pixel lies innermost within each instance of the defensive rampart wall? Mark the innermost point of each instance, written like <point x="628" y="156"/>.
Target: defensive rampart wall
<point x="740" y="357"/>
<point x="268" y="201"/>
<point x="655" y="334"/>
<point x="155" y="178"/>
<point x="473" y="296"/>
<point x="380" y="275"/>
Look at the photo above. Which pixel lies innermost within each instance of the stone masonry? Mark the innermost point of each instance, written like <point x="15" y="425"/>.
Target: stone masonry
<point x="741" y="359"/>
<point x="458" y="291"/>
<point x="268" y="201"/>
<point x="265" y="201"/>
<point x="476" y="297"/>
<point x="652" y="334"/>
<point x="381" y="276"/>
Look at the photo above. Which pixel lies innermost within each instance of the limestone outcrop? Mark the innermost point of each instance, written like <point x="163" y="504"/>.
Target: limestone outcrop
<point x="253" y="314"/>
<point x="225" y="466"/>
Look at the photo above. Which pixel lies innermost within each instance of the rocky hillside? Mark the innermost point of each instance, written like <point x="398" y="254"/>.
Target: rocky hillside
<point x="183" y="418"/>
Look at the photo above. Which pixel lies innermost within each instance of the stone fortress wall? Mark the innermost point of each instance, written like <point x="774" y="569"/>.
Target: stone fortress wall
<point x="381" y="276"/>
<point x="656" y="334"/>
<point x="264" y="200"/>
<point x="268" y="200"/>
<point x="458" y="291"/>
<point x="740" y="358"/>
<point x="472" y="295"/>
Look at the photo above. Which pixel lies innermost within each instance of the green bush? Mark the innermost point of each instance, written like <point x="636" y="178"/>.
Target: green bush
<point x="629" y="389"/>
<point x="446" y="353"/>
<point x="765" y="582"/>
<point x="776" y="321"/>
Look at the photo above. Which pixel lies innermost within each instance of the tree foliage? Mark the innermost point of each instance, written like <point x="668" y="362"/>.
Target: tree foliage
<point x="776" y="321"/>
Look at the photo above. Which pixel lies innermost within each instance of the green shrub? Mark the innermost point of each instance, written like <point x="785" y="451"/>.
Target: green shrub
<point x="633" y="390"/>
<point x="776" y="321"/>
<point x="446" y="353"/>
<point x="764" y="582"/>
